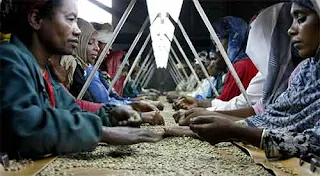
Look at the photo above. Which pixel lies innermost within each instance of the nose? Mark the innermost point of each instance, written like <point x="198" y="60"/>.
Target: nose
<point x="96" y="47"/>
<point x="76" y="30"/>
<point x="292" y="31"/>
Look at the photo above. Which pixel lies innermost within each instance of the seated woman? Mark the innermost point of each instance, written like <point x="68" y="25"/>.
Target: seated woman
<point x="38" y="116"/>
<point x="291" y="125"/>
<point x="233" y="34"/>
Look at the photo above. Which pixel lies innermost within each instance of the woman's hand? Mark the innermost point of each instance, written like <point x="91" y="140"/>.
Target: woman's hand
<point x="143" y="106"/>
<point x="182" y="117"/>
<point x="185" y="102"/>
<point x="153" y="118"/>
<point x="125" y="116"/>
<point x="128" y="136"/>
<point x="214" y="129"/>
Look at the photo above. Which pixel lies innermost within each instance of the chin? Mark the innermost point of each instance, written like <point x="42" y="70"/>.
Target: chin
<point x="305" y="54"/>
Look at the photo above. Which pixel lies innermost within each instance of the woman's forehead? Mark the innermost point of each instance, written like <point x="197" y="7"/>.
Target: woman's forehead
<point x="69" y="7"/>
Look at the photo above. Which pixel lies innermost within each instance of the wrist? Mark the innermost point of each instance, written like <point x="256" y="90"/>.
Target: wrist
<point x="246" y="134"/>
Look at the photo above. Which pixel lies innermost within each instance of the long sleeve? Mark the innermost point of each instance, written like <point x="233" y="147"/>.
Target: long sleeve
<point x="106" y="85"/>
<point x="29" y="125"/>
<point x="279" y="145"/>
<point x="254" y="92"/>
<point x="77" y="84"/>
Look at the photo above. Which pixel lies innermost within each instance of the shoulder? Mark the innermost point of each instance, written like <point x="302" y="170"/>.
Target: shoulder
<point x="244" y="62"/>
<point x="12" y="55"/>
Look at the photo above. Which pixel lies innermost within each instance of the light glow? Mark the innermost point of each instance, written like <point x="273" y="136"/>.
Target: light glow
<point x="162" y="30"/>
<point x="92" y="13"/>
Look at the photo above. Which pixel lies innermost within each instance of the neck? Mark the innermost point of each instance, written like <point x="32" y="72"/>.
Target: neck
<point x="39" y="51"/>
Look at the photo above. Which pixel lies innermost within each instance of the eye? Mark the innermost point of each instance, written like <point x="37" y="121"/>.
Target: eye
<point x="71" y="18"/>
<point x="301" y="19"/>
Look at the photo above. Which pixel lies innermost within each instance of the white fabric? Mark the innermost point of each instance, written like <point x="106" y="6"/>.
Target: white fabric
<point x="203" y="89"/>
<point x="104" y="36"/>
<point x="254" y="92"/>
<point x="258" y="47"/>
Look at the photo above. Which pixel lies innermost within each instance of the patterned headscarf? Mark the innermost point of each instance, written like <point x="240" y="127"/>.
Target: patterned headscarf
<point x="236" y="30"/>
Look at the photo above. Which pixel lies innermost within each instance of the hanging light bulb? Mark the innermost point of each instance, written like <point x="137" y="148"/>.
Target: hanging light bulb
<point x="161" y="28"/>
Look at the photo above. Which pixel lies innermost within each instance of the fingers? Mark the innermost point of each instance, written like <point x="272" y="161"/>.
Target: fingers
<point x="199" y="128"/>
<point x="186" y="120"/>
<point x="179" y="115"/>
<point x="202" y="120"/>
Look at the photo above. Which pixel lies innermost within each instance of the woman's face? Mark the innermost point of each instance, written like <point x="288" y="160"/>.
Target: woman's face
<point x="92" y="49"/>
<point x="218" y="62"/>
<point x="60" y="32"/>
<point x="305" y="31"/>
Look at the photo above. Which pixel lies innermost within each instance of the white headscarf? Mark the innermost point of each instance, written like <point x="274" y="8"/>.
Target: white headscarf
<point x="105" y="33"/>
<point x="259" y="40"/>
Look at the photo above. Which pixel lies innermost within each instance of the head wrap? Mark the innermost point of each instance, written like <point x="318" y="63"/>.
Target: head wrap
<point x="105" y="33"/>
<point x="236" y="31"/>
<point x="86" y="32"/>
<point x="304" y="3"/>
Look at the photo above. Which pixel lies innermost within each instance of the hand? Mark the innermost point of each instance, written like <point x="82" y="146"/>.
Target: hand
<point x="179" y="131"/>
<point x="143" y="106"/>
<point x="128" y="136"/>
<point x="153" y="118"/>
<point x="185" y="102"/>
<point x="182" y="117"/>
<point x="125" y="116"/>
<point x="157" y="104"/>
<point x="195" y="112"/>
<point x="179" y="115"/>
<point x="214" y="129"/>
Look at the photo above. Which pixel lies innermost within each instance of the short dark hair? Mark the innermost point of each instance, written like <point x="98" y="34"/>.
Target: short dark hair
<point x="14" y="13"/>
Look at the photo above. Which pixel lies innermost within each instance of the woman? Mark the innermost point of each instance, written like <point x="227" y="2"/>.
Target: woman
<point x="291" y="125"/>
<point x="233" y="34"/>
<point x="38" y="117"/>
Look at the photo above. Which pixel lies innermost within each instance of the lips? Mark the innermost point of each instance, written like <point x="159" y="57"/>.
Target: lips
<point x="297" y="44"/>
<point x="74" y="42"/>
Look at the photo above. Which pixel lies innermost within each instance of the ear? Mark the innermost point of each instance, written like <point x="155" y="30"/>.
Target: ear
<point x="34" y="19"/>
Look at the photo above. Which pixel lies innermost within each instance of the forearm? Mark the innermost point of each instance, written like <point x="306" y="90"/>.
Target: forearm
<point x="242" y="113"/>
<point x="248" y="135"/>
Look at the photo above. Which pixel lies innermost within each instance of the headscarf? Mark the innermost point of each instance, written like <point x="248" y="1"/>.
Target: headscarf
<point x="304" y="3"/>
<point x="105" y="33"/>
<point x="275" y="49"/>
<point x="237" y="31"/>
<point x="86" y="32"/>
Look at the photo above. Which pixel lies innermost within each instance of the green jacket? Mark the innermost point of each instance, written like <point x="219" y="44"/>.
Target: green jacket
<point x="30" y="127"/>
